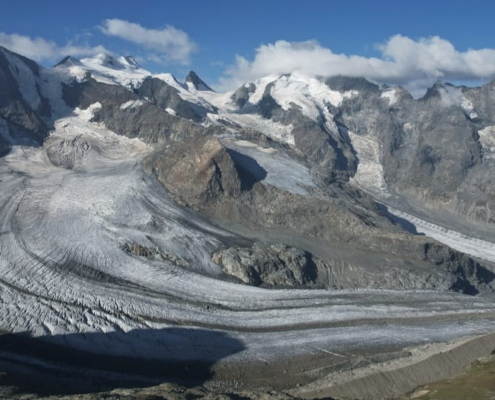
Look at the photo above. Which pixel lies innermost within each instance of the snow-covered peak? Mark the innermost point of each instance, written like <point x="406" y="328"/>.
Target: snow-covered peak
<point x="105" y="68"/>
<point x="107" y="61"/>
<point x="311" y="94"/>
<point x="131" y="61"/>
<point x="68" y="61"/>
<point x="187" y="91"/>
<point x="100" y="59"/>
<point x="171" y="80"/>
<point x="451" y="95"/>
<point x="194" y="82"/>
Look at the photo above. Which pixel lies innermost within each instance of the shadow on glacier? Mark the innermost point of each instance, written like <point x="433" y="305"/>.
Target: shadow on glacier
<point x="248" y="168"/>
<point x="408" y="226"/>
<point x="92" y="362"/>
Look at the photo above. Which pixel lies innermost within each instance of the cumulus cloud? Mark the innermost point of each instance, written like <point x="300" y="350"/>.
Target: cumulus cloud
<point x="40" y="49"/>
<point x="169" y="43"/>
<point x="403" y="61"/>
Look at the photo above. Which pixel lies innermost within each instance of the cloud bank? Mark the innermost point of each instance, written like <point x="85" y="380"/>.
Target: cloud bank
<point x="168" y="44"/>
<point x="403" y="61"/>
<point x="40" y="49"/>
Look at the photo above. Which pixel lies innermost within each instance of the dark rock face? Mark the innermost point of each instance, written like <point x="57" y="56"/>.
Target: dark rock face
<point x="345" y="84"/>
<point x="198" y="171"/>
<point x="67" y="61"/>
<point x="164" y="96"/>
<point x="197" y="82"/>
<point x="145" y="120"/>
<point x="22" y="123"/>
<point x="276" y="265"/>
<point x="432" y="153"/>
<point x="241" y="95"/>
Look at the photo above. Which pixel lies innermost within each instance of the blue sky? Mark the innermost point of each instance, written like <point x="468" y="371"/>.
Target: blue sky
<point x="210" y="34"/>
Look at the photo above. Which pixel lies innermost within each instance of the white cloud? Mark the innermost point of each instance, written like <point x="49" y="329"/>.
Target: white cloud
<point x="40" y="49"/>
<point x="403" y="61"/>
<point x="169" y="43"/>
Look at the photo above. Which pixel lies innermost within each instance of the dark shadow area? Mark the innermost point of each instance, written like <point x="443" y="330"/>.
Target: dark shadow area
<point x="408" y="226"/>
<point x="53" y="365"/>
<point x="248" y="168"/>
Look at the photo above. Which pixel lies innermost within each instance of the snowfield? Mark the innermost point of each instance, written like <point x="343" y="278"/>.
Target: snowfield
<point x="281" y="171"/>
<point x="104" y="68"/>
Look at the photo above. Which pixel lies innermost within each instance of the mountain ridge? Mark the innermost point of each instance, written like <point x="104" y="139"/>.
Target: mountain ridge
<point x="274" y="222"/>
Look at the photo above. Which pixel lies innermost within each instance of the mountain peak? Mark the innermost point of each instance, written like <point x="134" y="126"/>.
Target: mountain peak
<point x="112" y="62"/>
<point x="102" y="59"/>
<point x="131" y="61"/>
<point x="68" y="61"/>
<point x="345" y="83"/>
<point x="434" y="91"/>
<point x="192" y="79"/>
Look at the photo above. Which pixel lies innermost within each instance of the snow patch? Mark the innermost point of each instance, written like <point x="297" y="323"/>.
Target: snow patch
<point x="131" y="104"/>
<point x="222" y="101"/>
<point x="171" y="111"/>
<point x="260" y="86"/>
<point x="281" y="171"/>
<point x="274" y="130"/>
<point x="391" y="96"/>
<point x="468" y="108"/>
<point x="88" y="113"/>
<point x="487" y="140"/>
<point x="369" y="173"/>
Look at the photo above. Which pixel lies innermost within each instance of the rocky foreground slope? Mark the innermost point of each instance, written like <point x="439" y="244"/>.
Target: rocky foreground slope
<point x="148" y="222"/>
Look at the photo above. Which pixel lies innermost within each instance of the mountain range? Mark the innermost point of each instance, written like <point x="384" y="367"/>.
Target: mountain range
<point x="147" y="189"/>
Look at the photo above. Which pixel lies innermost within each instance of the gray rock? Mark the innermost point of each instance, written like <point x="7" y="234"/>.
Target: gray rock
<point x="346" y="83"/>
<point x="25" y="125"/>
<point x="198" y="171"/>
<point x="272" y="266"/>
<point x="165" y="96"/>
<point x="241" y="95"/>
<point x="197" y="82"/>
<point x="147" y="121"/>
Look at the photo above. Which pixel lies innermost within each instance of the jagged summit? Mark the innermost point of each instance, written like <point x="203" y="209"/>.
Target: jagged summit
<point x="120" y="70"/>
<point x="436" y="90"/>
<point x="192" y="79"/>
<point x="345" y="83"/>
<point x="101" y="61"/>
<point x="131" y="60"/>
<point x="67" y="61"/>
<point x="109" y="61"/>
